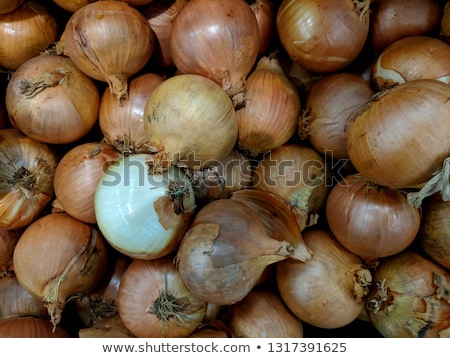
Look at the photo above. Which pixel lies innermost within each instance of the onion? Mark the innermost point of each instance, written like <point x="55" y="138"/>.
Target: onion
<point x="329" y="290"/>
<point x="8" y="241"/>
<point x="122" y="122"/>
<point x="26" y="182"/>
<point x="265" y="13"/>
<point x="298" y="174"/>
<point x="71" y="100"/>
<point x="262" y="314"/>
<point x="412" y="58"/>
<point x="401" y="137"/>
<point x="143" y="214"/>
<point x="444" y="26"/>
<point x="58" y="257"/>
<point x="410" y="298"/>
<point x="95" y="29"/>
<point x="9" y="5"/>
<point x="189" y="119"/>
<point x="72" y="5"/>
<point x="226" y="250"/>
<point x="323" y="36"/>
<point x="77" y="176"/>
<point x="330" y="102"/>
<point x="17" y="302"/>
<point x="160" y="15"/>
<point x="26" y="32"/>
<point x="211" y="331"/>
<point x="272" y="110"/>
<point x="220" y="179"/>
<point x="108" y="327"/>
<point x="369" y="220"/>
<point x="30" y="327"/>
<point x="434" y="233"/>
<point x="219" y="40"/>
<point x="391" y="20"/>
<point x="154" y="302"/>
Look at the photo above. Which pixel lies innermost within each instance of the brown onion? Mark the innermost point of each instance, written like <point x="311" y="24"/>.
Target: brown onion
<point x="154" y="302"/>
<point x="109" y="41"/>
<point x="216" y="39"/>
<point x="7" y="6"/>
<point x="51" y="100"/>
<point x="369" y="220"/>
<point x="391" y="20"/>
<point x="263" y="314"/>
<point x="72" y="5"/>
<point x="77" y="176"/>
<point x="298" y="174"/>
<point x="412" y="58"/>
<point x="122" y="122"/>
<point x="409" y="298"/>
<point x="189" y="119"/>
<point x="26" y="32"/>
<point x="58" y="257"/>
<point x="265" y="13"/>
<point x="434" y="233"/>
<point x="323" y="36"/>
<point x="272" y="110"/>
<point x="226" y="250"/>
<point x="26" y="183"/>
<point x="401" y="137"/>
<point x="160" y="15"/>
<point x="108" y="327"/>
<point x="329" y="290"/>
<point x="330" y="104"/>
<point x="31" y="327"/>
<point x="8" y="241"/>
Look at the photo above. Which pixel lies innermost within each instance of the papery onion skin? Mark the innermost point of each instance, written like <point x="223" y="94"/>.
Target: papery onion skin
<point x="26" y="181"/>
<point x="78" y="260"/>
<point x="95" y="29"/>
<point x="155" y="303"/>
<point x="31" y="327"/>
<point x="77" y="176"/>
<point x="142" y="214"/>
<point x="323" y="36"/>
<point x="71" y="100"/>
<point x="401" y="138"/>
<point x="409" y="297"/>
<point x="265" y="13"/>
<point x="108" y="327"/>
<point x="9" y="5"/>
<point x="26" y="32"/>
<point x="217" y="39"/>
<point x="411" y="58"/>
<point x="329" y="290"/>
<point x="190" y="119"/>
<point x="369" y="220"/>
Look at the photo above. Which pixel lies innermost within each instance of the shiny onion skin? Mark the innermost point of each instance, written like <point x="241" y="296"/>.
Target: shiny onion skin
<point x="401" y="137"/>
<point x="58" y="257"/>
<point x="95" y="29"/>
<point x="26" y="183"/>
<point x="392" y="20"/>
<point x="31" y="327"/>
<point x="323" y="36"/>
<point x="369" y="220"/>
<point x="72" y="5"/>
<point x="218" y="39"/>
<point x="409" y="297"/>
<point x="26" y="32"/>
<point x="329" y="104"/>
<point x="71" y="100"/>
<point x="412" y="58"/>
<point x="265" y="13"/>
<point x="329" y="290"/>
<point x="154" y="302"/>
<point x="9" y="5"/>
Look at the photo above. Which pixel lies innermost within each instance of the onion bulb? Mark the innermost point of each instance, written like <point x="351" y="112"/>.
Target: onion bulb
<point x="8" y="241"/>
<point x="58" y="257"/>
<point x="154" y="302"/>
<point x="323" y="36"/>
<point x="26" y="32"/>
<point x="9" y="5"/>
<point x="109" y="41"/>
<point x="219" y="40"/>
<point x="76" y="178"/>
<point x="265" y="13"/>
<point x="26" y="181"/>
<point x="409" y="297"/>
<point x="143" y="214"/>
<point x="108" y="327"/>
<point x="51" y="100"/>
<point x="30" y="327"/>
<point x="329" y="290"/>
<point x="226" y="250"/>
<point x="189" y="119"/>
<point x="369" y="220"/>
<point x="401" y="137"/>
